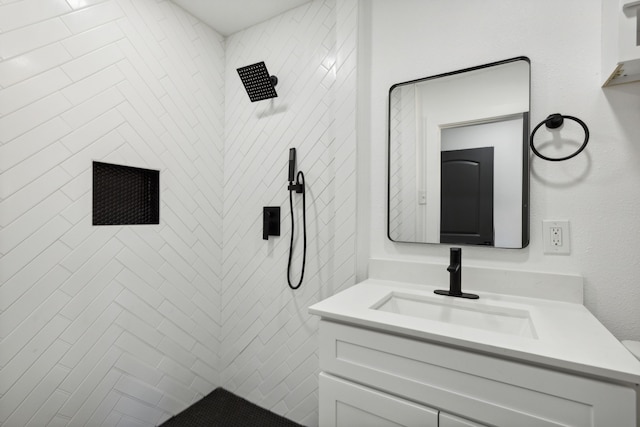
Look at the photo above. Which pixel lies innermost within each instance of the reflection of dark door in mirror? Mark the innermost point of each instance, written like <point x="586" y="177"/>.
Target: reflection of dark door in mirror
<point x="467" y="196"/>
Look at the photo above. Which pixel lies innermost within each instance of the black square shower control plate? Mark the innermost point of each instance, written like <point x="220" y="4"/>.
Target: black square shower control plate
<point x="271" y="221"/>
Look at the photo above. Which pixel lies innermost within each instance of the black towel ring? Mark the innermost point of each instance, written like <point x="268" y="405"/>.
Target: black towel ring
<point x="554" y="121"/>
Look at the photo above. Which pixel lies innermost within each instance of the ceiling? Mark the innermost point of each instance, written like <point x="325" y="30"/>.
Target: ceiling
<point x="230" y="16"/>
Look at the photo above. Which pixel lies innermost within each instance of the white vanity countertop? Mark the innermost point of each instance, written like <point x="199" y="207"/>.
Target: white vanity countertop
<point x="568" y="336"/>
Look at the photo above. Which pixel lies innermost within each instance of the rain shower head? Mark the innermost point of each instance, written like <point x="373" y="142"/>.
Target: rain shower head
<point x="257" y="82"/>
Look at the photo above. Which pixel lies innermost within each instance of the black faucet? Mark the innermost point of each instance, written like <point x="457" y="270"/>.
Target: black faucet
<point x="455" y="277"/>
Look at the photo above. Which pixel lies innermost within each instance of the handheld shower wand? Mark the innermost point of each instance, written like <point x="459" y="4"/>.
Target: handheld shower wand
<point x="298" y="187"/>
<point x="292" y="165"/>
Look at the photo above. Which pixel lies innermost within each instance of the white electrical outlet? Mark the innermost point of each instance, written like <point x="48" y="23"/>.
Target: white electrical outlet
<point x="555" y="237"/>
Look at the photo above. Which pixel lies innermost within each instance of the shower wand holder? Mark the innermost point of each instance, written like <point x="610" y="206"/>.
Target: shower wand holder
<point x="299" y="188"/>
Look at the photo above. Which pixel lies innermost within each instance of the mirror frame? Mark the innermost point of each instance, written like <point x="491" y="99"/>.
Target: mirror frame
<point x="525" y="153"/>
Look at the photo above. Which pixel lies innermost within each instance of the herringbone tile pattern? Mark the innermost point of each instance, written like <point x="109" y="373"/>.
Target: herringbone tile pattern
<point x="107" y="325"/>
<point x="269" y="350"/>
<point x="404" y="182"/>
<point x="129" y="325"/>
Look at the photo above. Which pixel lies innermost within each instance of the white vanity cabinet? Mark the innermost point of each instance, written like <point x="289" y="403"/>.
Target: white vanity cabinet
<point x="376" y="378"/>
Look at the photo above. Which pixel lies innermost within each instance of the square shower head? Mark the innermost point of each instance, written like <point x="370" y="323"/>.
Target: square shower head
<point x="257" y="82"/>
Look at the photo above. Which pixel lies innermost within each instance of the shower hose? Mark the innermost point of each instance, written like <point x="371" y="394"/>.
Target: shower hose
<point x="299" y="183"/>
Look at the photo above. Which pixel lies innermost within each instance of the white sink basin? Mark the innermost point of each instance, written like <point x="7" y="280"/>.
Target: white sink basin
<point x="471" y="314"/>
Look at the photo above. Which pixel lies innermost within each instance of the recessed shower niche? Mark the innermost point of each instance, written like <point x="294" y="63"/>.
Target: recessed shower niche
<point x="124" y="195"/>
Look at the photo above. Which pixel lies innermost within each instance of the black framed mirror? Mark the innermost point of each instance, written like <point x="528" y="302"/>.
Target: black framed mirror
<point x="458" y="157"/>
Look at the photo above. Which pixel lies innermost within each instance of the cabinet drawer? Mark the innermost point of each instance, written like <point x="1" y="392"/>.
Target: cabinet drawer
<point x="475" y="386"/>
<point x="345" y="404"/>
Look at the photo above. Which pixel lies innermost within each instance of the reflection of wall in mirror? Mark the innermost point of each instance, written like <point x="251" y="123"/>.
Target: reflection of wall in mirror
<point x="507" y="192"/>
<point x="403" y="201"/>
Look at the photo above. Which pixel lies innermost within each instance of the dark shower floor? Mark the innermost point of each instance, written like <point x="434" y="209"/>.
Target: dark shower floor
<point x="225" y="409"/>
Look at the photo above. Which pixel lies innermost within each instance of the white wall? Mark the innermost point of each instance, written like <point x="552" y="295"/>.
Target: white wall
<point x="120" y="323"/>
<point x="597" y="191"/>
<point x="269" y="342"/>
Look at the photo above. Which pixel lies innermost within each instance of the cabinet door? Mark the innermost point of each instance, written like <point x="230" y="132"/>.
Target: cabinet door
<point x="448" y="420"/>
<point x="346" y="404"/>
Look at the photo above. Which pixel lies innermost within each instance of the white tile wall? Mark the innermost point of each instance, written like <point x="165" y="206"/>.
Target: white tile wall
<point x="113" y="325"/>
<point x="129" y="325"/>
<point x="268" y="350"/>
<point x="404" y="183"/>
